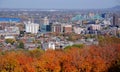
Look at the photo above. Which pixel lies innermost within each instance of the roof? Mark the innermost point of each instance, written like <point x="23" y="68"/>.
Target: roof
<point x="80" y="17"/>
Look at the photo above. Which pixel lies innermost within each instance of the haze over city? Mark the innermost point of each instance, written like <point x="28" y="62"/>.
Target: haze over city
<point x="59" y="4"/>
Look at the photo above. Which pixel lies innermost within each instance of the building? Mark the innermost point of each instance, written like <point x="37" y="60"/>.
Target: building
<point x="45" y="21"/>
<point x="56" y="28"/>
<point x="95" y="27"/>
<point x="91" y="14"/>
<point x="12" y="30"/>
<point x="103" y="15"/>
<point x="31" y="27"/>
<point x="119" y="21"/>
<point x="67" y="29"/>
<point x="78" y="30"/>
<point x="106" y="22"/>
<point x="9" y="37"/>
<point x="51" y="45"/>
<point x="45" y="28"/>
<point x="30" y="46"/>
<point x="116" y="20"/>
<point x="48" y="45"/>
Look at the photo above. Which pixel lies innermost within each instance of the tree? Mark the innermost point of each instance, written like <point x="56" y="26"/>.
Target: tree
<point x="11" y="41"/>
<point x="21" y="45"/>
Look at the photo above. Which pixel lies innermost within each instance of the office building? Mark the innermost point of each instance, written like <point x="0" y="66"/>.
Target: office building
<point x="45" y="28"/>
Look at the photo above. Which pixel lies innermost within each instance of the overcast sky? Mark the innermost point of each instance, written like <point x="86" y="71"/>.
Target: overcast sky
<point x="58" y="4"/>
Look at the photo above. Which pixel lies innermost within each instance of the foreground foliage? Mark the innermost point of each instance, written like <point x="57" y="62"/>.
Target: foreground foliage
<point x="103" y="58"/>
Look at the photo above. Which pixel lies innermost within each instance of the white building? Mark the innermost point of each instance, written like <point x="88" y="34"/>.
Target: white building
<point x="107" y="22"/>
<point x="95" y="27"/>
<point x="78" y="30"/>
<point x="12" y="30"/>
<point x="51" y="45"/>
<point x="31" y="27"/>
<point x="9" y="37"/>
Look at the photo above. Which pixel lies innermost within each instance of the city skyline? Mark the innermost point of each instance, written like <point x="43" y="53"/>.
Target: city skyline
<point x="59" y="4"/>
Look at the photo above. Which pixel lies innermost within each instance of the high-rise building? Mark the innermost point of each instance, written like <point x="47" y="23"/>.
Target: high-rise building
<point x="31" y="27"/>
<point x="56" y="28"/>
<point x="119" y="21"/>
<point x="45" y="28"/>
<point x="115" y="20"/>
<point x="45" y="21"/>
<point x="103" y="15"/>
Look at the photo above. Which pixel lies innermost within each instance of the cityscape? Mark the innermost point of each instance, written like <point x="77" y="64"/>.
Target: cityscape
<point x="56" y="29"/>
<point x="58" y="39"/>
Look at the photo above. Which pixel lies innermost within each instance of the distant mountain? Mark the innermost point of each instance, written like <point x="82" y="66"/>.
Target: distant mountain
<point x="116" y="7"/>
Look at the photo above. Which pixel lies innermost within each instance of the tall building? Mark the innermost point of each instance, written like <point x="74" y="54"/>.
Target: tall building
<point x="45" y="28"/>
<point x="116" y="20"/>
<point x="44" y="25"/>
<point x="103" y="15"/>
<point x="119" y="21"/>
<point x="31" y="27"/>
<point x="56" y="28"/>
<point x="45" y="21"/>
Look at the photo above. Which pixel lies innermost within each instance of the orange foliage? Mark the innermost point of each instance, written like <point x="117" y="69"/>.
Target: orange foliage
<point x="87" y="59"/>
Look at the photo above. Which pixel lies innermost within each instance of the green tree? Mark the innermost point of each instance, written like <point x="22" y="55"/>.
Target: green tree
<point x="21" y="45"/>
<point x="11" y="41"/>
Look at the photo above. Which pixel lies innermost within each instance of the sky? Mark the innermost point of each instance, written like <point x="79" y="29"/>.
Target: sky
<point x="59" y="4"/>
